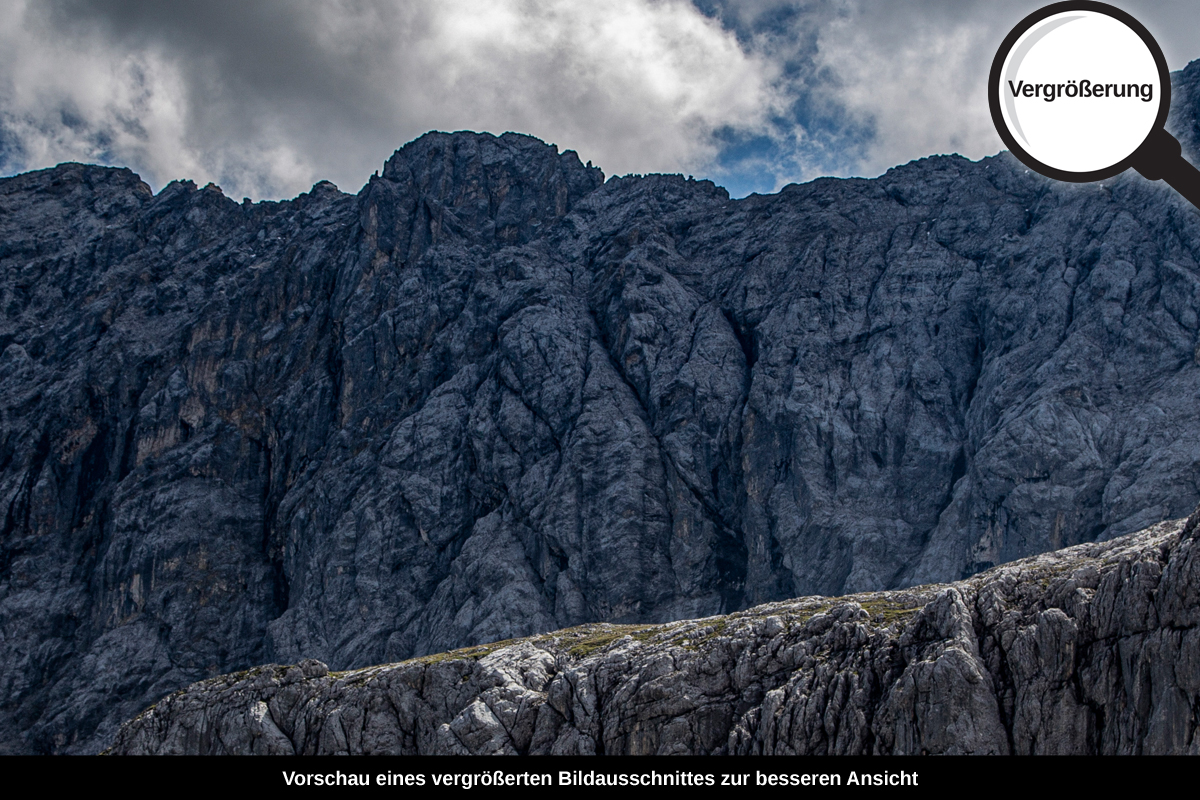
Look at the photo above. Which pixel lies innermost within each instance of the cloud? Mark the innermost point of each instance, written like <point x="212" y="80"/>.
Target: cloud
<point x="873" y="84"/>
<point x="266" y="98"/>
<point x="916" y="77"/>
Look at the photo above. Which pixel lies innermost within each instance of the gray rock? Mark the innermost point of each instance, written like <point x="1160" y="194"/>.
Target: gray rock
<point x="492" y="395"/>
<point x="1083" y="651"/>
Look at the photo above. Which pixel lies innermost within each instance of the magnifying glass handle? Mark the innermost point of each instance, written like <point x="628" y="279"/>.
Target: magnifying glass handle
<point x="1160" y="158"/>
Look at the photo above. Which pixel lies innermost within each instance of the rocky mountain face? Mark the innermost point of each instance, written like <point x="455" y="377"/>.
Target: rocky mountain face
<point x="1090" y="650"/>
<point x="492" y="395"/>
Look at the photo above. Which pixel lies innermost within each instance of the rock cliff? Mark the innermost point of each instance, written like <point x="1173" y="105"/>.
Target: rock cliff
<point x="492" y="395"/>
<point x="1090" y="650"/>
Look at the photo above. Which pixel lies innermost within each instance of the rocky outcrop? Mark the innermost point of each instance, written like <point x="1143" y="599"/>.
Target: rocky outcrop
<point x="492" y="395"/>
<point x="1094" y="649"/>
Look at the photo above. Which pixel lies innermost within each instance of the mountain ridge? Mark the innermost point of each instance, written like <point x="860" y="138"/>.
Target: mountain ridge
<point x="1090" y="650"/>
<point x="493" y="394"/>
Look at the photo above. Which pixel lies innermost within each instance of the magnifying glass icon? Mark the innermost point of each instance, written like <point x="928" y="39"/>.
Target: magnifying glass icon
<point x="1079" y="91"/>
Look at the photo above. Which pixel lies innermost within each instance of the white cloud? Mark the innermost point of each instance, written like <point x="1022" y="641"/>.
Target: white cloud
<point x="266" y="101"/>
<point x="916" y="73"/>
<point x="267" y="97"/>
<point x="921" y="87"/>
<point x="81" y="100"/>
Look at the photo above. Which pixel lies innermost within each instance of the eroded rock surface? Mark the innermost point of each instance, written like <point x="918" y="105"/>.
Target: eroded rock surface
<point x="1094" y="649"/>
<point x="491" y="395"/>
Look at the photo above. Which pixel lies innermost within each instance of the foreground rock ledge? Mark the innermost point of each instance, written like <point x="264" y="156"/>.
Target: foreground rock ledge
<point x="1093" y="649"/>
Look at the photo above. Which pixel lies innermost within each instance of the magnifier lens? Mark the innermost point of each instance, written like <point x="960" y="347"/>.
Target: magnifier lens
<point x="1080" y="91"/>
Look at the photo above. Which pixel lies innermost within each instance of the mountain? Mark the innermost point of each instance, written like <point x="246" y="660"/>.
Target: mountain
<point x="493" y="395"/>
<point x="1092" y="650"/>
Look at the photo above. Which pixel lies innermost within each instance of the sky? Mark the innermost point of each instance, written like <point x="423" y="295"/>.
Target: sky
<point x="267" y="97"/>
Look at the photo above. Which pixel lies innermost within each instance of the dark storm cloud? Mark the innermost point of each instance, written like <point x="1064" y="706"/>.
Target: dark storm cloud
<point x="270" y="52"/>
<point x="277" y="86"/>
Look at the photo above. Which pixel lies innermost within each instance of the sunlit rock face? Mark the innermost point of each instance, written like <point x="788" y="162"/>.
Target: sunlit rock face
<point x="492" y="395"/>
<point x="1090" y="650"/>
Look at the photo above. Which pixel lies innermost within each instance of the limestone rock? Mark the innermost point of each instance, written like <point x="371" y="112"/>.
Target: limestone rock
<point x="1082" y="651"/>
<point x="492" y="395"/>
